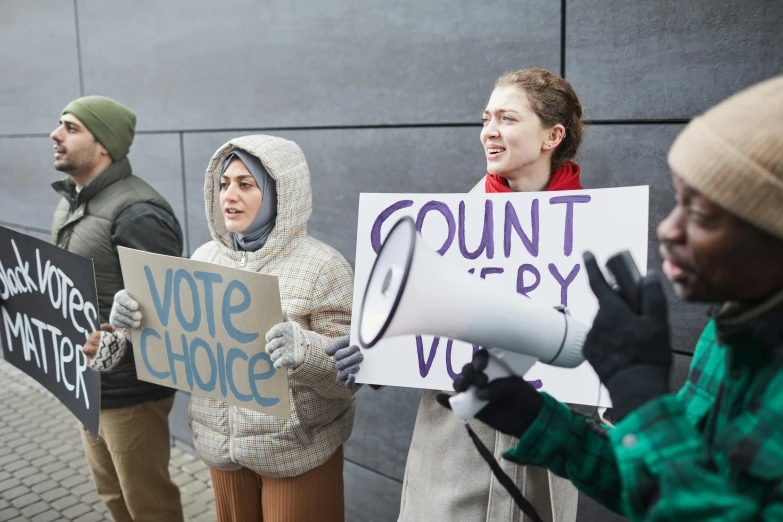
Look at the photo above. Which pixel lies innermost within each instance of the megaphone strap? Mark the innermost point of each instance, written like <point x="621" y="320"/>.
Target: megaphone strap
<point x="524" y="504"/>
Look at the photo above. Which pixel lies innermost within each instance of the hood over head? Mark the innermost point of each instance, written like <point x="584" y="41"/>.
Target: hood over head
<point x="286" y="164"/>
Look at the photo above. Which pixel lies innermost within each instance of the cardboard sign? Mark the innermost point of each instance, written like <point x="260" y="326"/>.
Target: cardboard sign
<point x="531" y="242"/>
<point x="49" y="306"/>
<point x="203" y="327"/>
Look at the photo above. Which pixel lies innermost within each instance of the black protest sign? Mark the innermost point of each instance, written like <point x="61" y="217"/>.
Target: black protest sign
<point x="49" y="306"/>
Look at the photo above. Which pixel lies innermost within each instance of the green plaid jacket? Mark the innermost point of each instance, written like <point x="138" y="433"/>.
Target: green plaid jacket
<point x="713" y="451"/>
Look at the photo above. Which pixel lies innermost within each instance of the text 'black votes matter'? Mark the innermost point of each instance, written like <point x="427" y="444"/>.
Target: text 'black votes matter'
<point x="49" y="305"/>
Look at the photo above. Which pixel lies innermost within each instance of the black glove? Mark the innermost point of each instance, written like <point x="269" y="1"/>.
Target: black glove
<point x="513" y="403"/>
<point x="630" y="352"/>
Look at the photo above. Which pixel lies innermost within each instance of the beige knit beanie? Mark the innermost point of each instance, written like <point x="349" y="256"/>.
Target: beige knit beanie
<point x="733" y="155"/>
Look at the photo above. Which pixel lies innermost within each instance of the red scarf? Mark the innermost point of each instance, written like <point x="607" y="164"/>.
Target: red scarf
<point x="566" y="177"/>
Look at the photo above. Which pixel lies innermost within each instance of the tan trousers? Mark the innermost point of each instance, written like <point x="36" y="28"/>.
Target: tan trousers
<point x="130" y="463"/>
<point x="245" y="496"/>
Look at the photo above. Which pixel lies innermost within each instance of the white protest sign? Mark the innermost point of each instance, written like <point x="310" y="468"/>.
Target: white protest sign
<point x="529" y="241"/>
<point x="203" y="328"/>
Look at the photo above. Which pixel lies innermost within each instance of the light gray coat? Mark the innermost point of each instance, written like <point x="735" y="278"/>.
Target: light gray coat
<point x="447" y="480"/>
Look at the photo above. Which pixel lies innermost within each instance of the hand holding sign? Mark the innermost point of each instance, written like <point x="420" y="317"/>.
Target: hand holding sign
<point x="125" y="311"/>
<point x="104" y="348"/>
<point x="348" y="358"/>
<point x="286" y="344"/>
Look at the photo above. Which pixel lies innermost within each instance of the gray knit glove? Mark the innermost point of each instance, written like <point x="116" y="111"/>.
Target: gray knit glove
<point x="104" y="348"/>
<point x="125" y="311"/>
<point x="287" y="344"/>
<point x="348" y="359"/>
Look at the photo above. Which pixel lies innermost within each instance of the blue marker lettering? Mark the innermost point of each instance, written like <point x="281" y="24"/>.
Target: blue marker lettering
<point x="163" y="308"/>
<point x="147" y="332"/>
<point x="209" y="385"/>
<point x="229" y="310"/>
<point x="183" y="357"/>
<point x="235" y="353"/>
<point x="208" y="279"/>
<point x="192" y="325"/>
<point x="253" y="377"/>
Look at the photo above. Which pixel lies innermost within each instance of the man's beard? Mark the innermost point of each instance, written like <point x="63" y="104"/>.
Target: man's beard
<point x="75" y="160"/>
<point x="64" y="165"/>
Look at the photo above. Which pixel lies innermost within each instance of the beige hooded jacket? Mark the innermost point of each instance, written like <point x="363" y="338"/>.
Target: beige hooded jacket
<point x="316" y="287"/>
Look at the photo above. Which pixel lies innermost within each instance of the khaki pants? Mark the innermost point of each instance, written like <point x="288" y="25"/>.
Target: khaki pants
<point x="244" y="496"/>
<point x="130" y="463"/>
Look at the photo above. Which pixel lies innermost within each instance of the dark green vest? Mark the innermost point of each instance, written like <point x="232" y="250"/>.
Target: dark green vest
<point x="83" y="225"/>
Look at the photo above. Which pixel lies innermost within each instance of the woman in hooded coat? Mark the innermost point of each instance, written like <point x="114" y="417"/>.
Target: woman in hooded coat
<point x="258" y="201"/>
<point x="532" y="130"/>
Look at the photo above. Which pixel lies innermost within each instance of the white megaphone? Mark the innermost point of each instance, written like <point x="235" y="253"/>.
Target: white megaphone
<point x="407" y="274"/>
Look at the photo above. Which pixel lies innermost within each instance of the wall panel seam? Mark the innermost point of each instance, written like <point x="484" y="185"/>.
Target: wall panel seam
<point x="78" y="47"/>
<point x="184" y="193"/>
<point x="563" y="38"/>
<point x="671" y="121"/>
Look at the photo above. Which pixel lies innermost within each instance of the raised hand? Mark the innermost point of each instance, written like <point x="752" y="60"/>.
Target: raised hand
<point x="348" y="358"/>
<point x="125" y="311"/>
<point x="287" y="344"/>
<point x="104" y="348"/>
<point x="630" y="352"/>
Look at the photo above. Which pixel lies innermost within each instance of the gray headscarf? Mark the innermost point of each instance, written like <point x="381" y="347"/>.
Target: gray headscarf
<point x="255" y="236"/>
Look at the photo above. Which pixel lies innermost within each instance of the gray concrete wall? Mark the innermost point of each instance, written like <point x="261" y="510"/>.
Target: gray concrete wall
<point x="382" y="95"/>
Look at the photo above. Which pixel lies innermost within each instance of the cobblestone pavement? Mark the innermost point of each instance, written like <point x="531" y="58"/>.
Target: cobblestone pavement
<point x="43" y="473"/>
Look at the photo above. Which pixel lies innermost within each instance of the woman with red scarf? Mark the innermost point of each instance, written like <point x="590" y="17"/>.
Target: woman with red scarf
<point x="532" y="130"/>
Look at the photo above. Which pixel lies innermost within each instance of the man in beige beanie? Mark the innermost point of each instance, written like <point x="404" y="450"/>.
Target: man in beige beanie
<point x="713" y="450"/>
<point x="105" y="206"/>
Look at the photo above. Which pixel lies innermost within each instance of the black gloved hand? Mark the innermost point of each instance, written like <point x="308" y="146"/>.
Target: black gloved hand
<point x="513" y="403"/>
<point x="630" y="352"/>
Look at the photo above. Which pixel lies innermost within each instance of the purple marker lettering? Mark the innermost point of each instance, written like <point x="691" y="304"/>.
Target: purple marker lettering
<point x="564" y="283"/>
<point x="568" y="235"/>
<point x="521" y="288"/>
<point x="487" y="241"/>
<point x="446" y="211"/>
<point x="512" y="222"/>
<point x="375" y="233"/>
<point x="424" y="366"/>
<point x="490" y="270"/>
<point x="449" y="367"/>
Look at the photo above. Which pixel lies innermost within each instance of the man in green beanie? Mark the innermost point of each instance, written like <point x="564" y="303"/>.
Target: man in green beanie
<point x="105" y="206"/>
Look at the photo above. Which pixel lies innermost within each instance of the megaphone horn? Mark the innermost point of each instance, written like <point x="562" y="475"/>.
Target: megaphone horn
<point x="413" y="291"/>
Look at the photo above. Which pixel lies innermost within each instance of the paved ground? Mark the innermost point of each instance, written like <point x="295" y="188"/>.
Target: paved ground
<point x="43" y="474"/>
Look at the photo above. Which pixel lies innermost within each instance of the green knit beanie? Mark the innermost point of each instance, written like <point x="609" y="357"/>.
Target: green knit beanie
<point x="112" y="123"/>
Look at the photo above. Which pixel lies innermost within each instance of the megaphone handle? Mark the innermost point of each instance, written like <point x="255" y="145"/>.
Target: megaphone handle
<point x="466" y="405"/>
